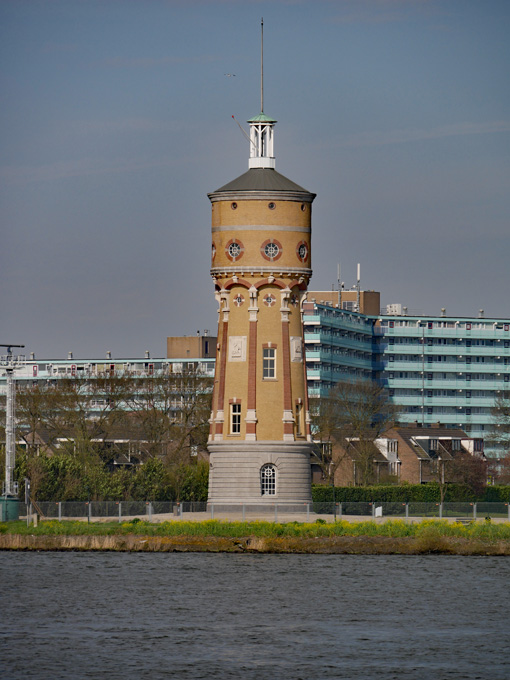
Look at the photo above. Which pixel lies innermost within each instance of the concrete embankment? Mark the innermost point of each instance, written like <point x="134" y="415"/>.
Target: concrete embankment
<point x="352" y="545"/>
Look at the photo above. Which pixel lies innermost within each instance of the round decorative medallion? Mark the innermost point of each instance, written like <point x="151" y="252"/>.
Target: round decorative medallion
<point x="271" y="250"/>
<point x="238" y="300"/>
<point x="302" y="251"/>
<point x="234" y="250"/>
<point x="294" y="300"/>
<point x="269" y="300"/>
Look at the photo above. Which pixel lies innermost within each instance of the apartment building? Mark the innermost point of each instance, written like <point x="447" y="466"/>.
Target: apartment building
<point x="447" y="370"/>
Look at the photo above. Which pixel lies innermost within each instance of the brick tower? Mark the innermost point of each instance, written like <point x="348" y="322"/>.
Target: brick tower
<point x="260" y="439"/>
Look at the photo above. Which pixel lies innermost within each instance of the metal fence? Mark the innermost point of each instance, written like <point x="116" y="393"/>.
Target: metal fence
<point x="159" y="511"/>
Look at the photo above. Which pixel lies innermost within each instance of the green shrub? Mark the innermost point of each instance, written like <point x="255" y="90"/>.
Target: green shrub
<point x="402" y="493"/>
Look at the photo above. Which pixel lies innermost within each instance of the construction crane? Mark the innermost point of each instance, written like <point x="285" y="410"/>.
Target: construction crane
<point x="10" y="362"/>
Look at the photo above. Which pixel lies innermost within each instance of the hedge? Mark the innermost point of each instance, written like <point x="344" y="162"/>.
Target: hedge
<point x="407" y="493"/>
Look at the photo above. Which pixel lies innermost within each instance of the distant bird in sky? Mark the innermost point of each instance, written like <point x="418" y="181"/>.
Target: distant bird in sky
<point x="230" y="75"/>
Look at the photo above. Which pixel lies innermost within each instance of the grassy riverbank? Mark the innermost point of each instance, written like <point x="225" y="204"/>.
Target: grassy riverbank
<point x="388" y="537"/>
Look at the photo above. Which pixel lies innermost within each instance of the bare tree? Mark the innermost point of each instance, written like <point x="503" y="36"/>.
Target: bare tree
<point x="500" y="469"/>
<point x="171" y="413"/>
<point x="77" y="413"/>
<point x="500" y="432"/>
<point x="349" y="420"/>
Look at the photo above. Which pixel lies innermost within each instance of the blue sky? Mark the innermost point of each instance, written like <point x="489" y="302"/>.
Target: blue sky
<point x="116" y="120"/>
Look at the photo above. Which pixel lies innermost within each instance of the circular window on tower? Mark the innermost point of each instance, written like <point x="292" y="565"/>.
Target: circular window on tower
<point x="303" y="207"/>
<point x="269" y="300"/>
<point x="271" y="250"/>
<point x="234" y="250"/>
<point x="302" y="251"/>
<point x="233" y="206"/>
<point x="238" y="300"/>
<point x="271" y="206"/>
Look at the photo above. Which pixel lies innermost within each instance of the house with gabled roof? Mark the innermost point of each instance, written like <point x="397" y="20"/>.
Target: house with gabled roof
<point x="419" y="455"/>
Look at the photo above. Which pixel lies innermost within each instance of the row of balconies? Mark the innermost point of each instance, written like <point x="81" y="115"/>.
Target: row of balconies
<point x="328" y="339"/>
<point x="498" y="350"/>
<point x="460" y="400"/>
<point x="459" y="419"/>
<point x="438" y="383"/>
<point x="444" y="366"/>
<point x="337" y="355"/>
<point x="338" y="362"/>
<point x="336" y="321"/>
<point x="463" y="333"/>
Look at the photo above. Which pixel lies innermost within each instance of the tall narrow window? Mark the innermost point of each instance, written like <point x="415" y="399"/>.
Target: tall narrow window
<point x="235" y="418"/>
<point x="299" y="427"/>
<point x="269" y="362"/>
<point x="268" y="480"/>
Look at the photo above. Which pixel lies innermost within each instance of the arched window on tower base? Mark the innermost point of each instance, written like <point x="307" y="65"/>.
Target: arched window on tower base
<point x="268" y="480"/>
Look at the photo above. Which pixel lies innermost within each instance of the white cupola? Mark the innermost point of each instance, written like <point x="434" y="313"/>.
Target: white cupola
<point x="261" y="142"/>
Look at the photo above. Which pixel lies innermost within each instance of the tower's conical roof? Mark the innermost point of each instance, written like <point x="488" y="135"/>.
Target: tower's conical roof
<point x="262" y="179"/>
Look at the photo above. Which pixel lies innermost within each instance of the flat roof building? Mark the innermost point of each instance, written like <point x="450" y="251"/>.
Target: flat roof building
<point x="437" y="369"/>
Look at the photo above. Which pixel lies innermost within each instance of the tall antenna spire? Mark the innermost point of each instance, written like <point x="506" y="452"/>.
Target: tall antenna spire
<point x="261" y="126"/>
<point x="262" y="65"/>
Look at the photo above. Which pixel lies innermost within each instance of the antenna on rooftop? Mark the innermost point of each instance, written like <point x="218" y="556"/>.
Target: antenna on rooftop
<point x="340" y="285"/>
<point x="358" y="288"/>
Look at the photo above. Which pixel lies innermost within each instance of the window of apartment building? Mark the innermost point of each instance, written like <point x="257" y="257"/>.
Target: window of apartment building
<point x="235" y="418"/>
<point x="429" y="376"/>
<point x="268" y="480"/>
<point x="268" y="363"/>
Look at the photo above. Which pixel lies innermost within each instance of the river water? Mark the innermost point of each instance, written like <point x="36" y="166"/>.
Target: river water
<point x="292" y="617"/>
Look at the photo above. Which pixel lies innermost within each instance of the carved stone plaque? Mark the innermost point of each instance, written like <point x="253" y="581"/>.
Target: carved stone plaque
<point x="237" y="348"/>
<point x="296" y="348"/>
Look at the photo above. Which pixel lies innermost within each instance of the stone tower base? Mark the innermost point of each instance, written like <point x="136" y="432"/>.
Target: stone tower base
<point x="234" y="475"/>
